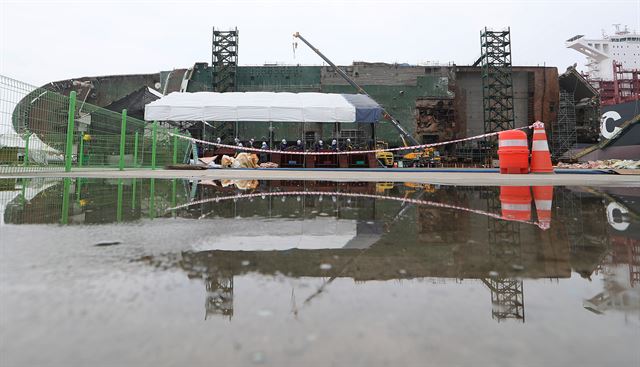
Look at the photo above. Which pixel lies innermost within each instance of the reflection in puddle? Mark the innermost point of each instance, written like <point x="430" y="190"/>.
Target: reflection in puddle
<point x="227" y="237"/>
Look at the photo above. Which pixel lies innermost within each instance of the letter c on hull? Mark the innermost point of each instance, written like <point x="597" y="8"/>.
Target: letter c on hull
<point x="618" y="224"/>
<point x="603" y="124"/>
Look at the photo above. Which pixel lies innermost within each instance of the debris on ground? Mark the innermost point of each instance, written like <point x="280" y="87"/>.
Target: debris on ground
<point x="268" y="165"/>
<point x="209" y="162"/>
<point x="605" y="164"/>
<point x="241" y="160"/>
<point x="241" y="184"/>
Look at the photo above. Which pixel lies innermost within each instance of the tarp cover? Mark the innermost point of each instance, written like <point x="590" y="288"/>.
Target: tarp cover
<point x="264" y="106"/>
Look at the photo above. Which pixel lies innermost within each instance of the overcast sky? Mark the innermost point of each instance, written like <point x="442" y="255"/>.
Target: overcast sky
<point x="42" y="41"/>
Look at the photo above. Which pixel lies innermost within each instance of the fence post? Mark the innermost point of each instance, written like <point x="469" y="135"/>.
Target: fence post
<point x="70" y="126"/>
<point x="81" y="152"/>
<point x="26" y="150"/>
<point x="78" y="188"/>
<point x="23" y="188"/>
<point x="152" y="198"/>
<point x="175" y="146"/>
<point x="123" y="135"/>
<point x="135" y="150"/>
<point x="133" y="194"/>
<point x="173" y="195"/>
<point x="154" y="135"/>
<point x="119" y="201"/>
<point x="65" y="200"/>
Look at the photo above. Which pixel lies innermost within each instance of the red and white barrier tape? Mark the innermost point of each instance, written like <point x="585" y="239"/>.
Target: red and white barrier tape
<point x="413" y="147"/>
<point x="357" y="195"/>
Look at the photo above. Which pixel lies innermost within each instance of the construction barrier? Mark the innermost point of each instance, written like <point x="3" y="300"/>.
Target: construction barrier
<point x="516" y="197"/>
<point x="543" y="197"/>
<point x="516" y="202"/>
<point x="540" y="155"/>
<point x="348" y="152"/>
<point x="513" y="152"/>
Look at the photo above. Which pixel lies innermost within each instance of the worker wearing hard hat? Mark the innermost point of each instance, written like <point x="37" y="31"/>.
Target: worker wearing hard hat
<point x="348" y="145"/>
<point x="334" y="145"/>
<point x="264" y="156"/>
<point x="299" y="146"/>
<point x="319" y="146"/>
<point x="283" y="144"/>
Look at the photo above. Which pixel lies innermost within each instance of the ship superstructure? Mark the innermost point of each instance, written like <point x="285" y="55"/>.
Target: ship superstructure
<point x="613" y="64"/>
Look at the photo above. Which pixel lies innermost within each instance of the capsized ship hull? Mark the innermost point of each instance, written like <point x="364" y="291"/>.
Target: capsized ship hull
<point x="627" y="145"/>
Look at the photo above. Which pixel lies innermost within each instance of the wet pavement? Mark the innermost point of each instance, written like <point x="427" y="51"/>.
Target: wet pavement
<point x="152" y="272"/>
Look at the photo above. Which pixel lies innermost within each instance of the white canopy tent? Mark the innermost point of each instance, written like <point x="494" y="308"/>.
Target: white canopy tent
<point x="263" y="107"/>
<point x="39" y="151"/>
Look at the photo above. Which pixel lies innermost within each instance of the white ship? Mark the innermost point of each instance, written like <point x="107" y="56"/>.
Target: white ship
<point x="613" y="68"/>
<point x="623" y="48"/>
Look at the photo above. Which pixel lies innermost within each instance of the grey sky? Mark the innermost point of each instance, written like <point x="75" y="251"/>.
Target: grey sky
<point x="42" y="41"/>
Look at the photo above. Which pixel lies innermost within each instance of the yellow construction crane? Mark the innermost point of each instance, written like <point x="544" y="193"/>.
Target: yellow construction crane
<point x="428" y="156"/>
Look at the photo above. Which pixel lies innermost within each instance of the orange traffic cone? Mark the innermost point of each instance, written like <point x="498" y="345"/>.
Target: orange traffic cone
<point x="543" y="197"/>
<point x="540" y="156"/>
<point x="515" y="202"/>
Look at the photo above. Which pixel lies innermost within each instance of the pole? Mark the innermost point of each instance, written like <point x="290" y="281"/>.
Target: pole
<point x="23" y="184"/>
<point x="78" y="188"/>
<point x="152" y="198"/>
<point x="175" y="147"/>
<point x="133" y="194"/>
<point x="119" y="202"/>
<point x="26" y="150"/>
<point x="65" y="201"/>
<point x="135" y="150"/>
<point x="154" y="134"/>
<point x="173" y="195"/>
<point x="71" y="114"/>
<point x="81" y="153"/>
<point x="123" y="135"/>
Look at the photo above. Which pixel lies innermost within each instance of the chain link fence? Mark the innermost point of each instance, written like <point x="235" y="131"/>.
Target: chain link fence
<point x="44" y="130"/>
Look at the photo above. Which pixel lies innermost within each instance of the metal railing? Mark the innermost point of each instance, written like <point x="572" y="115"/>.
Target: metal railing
<point x="44" y="130"/>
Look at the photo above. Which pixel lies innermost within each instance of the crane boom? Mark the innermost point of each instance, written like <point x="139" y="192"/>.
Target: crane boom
<point x="403" y="133"/>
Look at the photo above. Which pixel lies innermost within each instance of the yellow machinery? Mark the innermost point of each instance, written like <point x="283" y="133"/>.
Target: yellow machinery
<point x="384" y="157"/>
<point x="381" y="187"/>
<point x="414" y="186"/>
<point x="426" y="157"/>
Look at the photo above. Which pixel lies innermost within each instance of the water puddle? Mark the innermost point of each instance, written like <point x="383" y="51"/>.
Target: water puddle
<point x="116" y="271"/>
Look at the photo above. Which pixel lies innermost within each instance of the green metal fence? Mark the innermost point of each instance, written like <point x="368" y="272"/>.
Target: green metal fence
<point x="44" y="130"/>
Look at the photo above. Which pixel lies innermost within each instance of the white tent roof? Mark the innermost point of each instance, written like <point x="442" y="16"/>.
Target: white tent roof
<point x="39" y="151"/>
<point x="252" y="106"/>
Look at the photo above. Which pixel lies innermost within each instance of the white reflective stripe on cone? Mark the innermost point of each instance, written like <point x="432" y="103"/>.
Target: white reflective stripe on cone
<point x="518" y="207"/>
<point x="540" y="145"/>
<point x="513" y="143"/>
<point x="543" y="204"/>
<point x="541" y="131"/>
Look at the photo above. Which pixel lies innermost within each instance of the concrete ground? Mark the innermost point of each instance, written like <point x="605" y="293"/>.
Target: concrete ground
<point x="444" y="177"/>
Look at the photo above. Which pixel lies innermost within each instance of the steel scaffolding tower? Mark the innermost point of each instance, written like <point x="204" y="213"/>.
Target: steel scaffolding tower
<point x="497" y="83"/>
<point x="224" y="60"/>
<point x="569" y="210"/>
<point x="563" y="132"/>
<point x="507" y="295"/>
<point x="507" y="298"/>
<point x="219" y="295"/>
